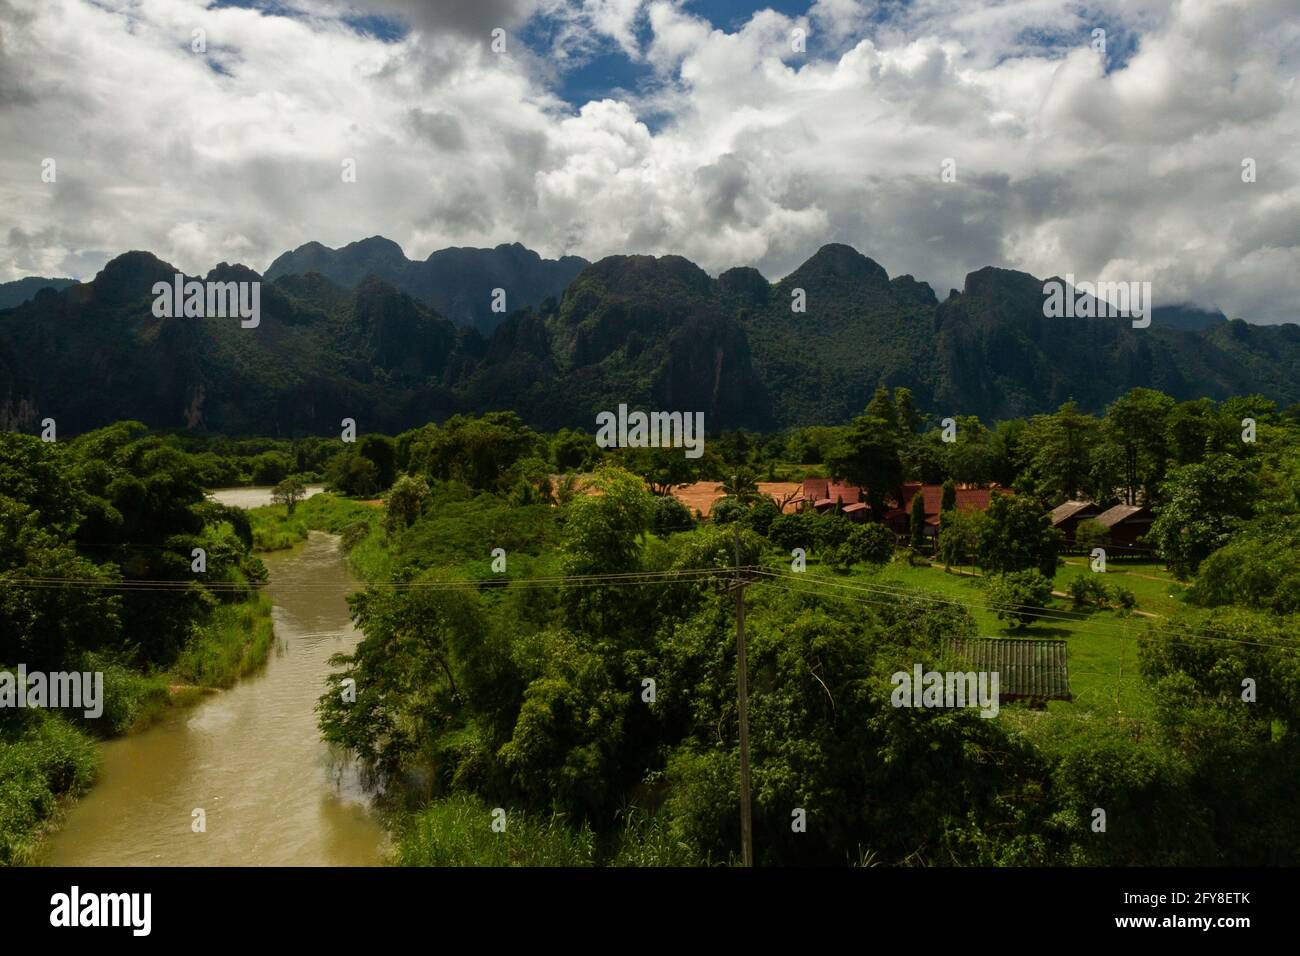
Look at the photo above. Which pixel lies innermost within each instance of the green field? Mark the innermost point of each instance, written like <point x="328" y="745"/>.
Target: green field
<point x="1102" y="642"/>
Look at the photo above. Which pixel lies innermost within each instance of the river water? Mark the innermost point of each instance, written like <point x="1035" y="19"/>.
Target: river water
<point x="250" y="757"/>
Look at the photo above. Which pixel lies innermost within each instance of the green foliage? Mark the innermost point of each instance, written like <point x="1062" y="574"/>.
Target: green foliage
<point x="406" y="499"/>
<point x="289" y="492"/>
<point x="796" y="529"/>
<point x="959" y="536"/>
<point x="1087" y="588"/>
<point x="1091" y="533"/>
<point x="670" y="516"/>
<point x="1016" y="535"/>
<point x="42" y="759"/>
<point x="350" y="473"/>
<point x="380" y="451"/>
<point x="1259" y="567"/>
<point x="870" y="543"/>
<point x="477" y="451"/>
<point x="1020" y="596"/>
<point x="1203" y="504"/>
<point x="868" y="456"/>
<point x="233" y="643"/>
<point x="948" y="501"/>
<point x="457" y="831"/>
<point x="916" y="522"/>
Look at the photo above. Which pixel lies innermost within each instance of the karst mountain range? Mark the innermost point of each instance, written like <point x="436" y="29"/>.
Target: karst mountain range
<point x="364" y="332"/>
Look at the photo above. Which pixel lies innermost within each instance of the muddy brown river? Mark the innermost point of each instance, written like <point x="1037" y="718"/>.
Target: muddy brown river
<point x="250" y="757"/>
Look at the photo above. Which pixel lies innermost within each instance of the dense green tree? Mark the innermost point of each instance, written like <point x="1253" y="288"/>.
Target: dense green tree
<point x="671" y="516"/>
<point x="351" y="474"/>
<point x="910" y="418"/>
<point x="406" y="499"/>
<point x="289" y="492"/>
<point x="916" y="522"/>
<point x="882" y="406"/>
<point x="1058" y="450"/>
<point x="868" y="456"/>
<point x="959" y="536"/>
<point x="1136" y="424"/>
<point x="382" y="452"/>
<point x="477" y="451"/>
<point x="1020" y="596"/>
<point x="1016" y="535"/>
<point x="1203" y="504"/>
<point x="662" y="468"/>
<point x="270" y="467"/>
<point x="969" y="459"/>
<point x="1259" y="567"/>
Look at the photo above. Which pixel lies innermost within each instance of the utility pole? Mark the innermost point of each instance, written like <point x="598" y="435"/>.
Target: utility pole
<point x="742" y="694"/>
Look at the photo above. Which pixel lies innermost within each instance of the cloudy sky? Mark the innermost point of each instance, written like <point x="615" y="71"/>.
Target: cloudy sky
<point x="699" y="127"/>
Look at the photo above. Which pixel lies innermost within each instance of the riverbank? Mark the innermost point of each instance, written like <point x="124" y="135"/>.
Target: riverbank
<point x="250" y="756"/>
<point x="49" y="760"/>
<point x="359" y="525"/>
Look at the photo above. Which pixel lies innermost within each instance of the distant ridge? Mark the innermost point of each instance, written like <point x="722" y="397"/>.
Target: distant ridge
<point x="21" y="290"/>
<point x="457" y="282"/>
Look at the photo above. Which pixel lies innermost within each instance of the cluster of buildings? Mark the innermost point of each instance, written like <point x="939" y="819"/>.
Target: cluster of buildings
<point x="1125" y="525"/>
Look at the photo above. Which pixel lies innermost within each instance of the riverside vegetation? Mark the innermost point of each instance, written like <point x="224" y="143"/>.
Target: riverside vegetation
<point x="476" y="692"/>
<point x="86" y="519"/>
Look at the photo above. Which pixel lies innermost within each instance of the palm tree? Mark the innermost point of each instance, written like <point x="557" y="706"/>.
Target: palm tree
<point x="742" y="486"/>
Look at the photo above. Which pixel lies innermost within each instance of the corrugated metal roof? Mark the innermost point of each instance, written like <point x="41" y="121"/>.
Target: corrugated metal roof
<point x="1069" y="509"/>
<point x="1113" y="516"/>
<point x="1027" y="669"/>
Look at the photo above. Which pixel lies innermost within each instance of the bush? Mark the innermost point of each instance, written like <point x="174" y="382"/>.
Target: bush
<point x="42" y="758"/>
<point x="727" y="510"/>
<point x="839" y="558"/>
<point x="831" y="530"/>
<point x="354" y="534"/>
<point x="670" y="516"/>
<point x="958" y="536"/>
<point x="762" y="514"/>
<point x="1124" y="598"/>
<point x="1087" y="588"/>
<point x="795" y="530"/>
<point x="871" y="544"/>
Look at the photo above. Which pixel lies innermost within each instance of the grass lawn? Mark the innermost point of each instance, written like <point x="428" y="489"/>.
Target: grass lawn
<point x="1102" y="643"/>
<point x="1155" y="588"/>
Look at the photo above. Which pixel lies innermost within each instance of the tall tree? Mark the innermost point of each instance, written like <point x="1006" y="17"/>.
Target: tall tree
<point x="1136" y="425"/>
<point x="882" y="406"/>
<point x="949" y="500"/>
<point x="916" y="524"/>
<point x="1059" y="451"/>
<point x="868" y="456"/>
